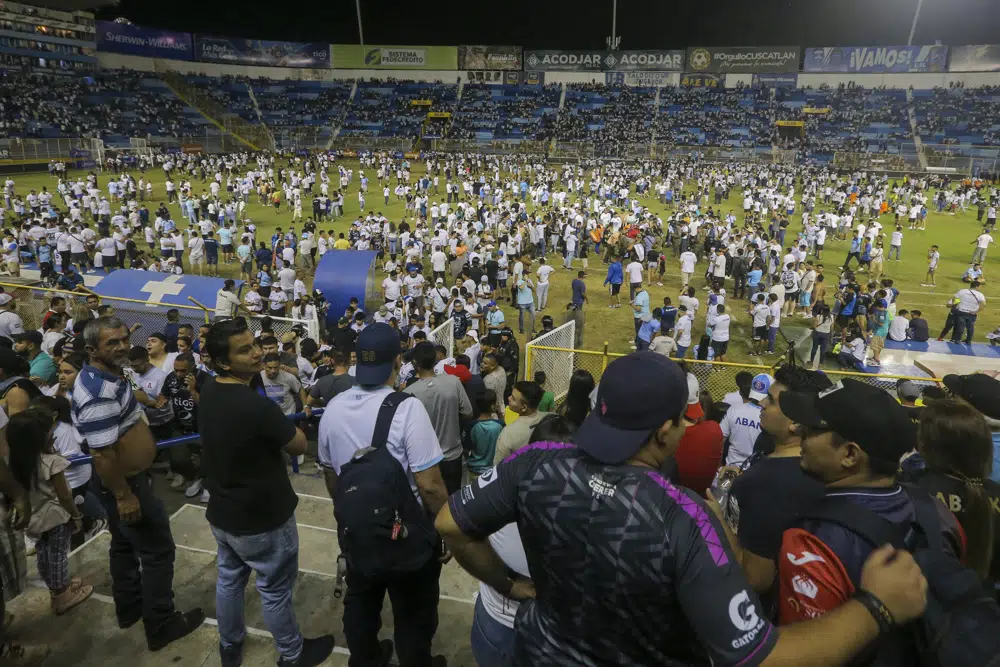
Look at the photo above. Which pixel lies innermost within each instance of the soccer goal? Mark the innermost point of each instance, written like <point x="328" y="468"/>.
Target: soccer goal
<point x="553" y="353"/>
<point x="444" y="335"/>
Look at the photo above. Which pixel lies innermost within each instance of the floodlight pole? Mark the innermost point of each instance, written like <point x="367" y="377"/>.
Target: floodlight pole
<point x="916" y="17"/>
<point x="361" y="33"/>
<point x="614" y="24"/>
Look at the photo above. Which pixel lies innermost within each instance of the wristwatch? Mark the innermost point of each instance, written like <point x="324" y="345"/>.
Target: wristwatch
<point x="877" y="609"/>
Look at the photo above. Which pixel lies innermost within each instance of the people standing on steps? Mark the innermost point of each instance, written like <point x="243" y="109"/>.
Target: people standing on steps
<point x="107" y="414"/>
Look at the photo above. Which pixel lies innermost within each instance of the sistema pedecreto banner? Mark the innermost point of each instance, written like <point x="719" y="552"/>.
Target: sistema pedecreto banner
<point x="261" y="52"/>
<point x="139" y="41"/>
<point x="355" y="56"/>
<point x="876" y="59"/>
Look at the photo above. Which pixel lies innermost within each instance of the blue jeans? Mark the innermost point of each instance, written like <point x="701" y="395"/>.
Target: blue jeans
<point x="492" y="642"/>
<point x="274" y="556"/>
<point x="681" y="351"/>
<point x="523" y="308"/>
<point x="897" y="249"/>
<point x="965" y="323"/>
<point x="772" y="336"/>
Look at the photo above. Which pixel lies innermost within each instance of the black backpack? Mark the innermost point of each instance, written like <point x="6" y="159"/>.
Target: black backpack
<point x="961" y="625"/>
<point x="381" y="528"/>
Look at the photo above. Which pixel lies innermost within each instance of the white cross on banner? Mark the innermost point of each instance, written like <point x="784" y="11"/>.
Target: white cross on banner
<point x="160" y="288"/>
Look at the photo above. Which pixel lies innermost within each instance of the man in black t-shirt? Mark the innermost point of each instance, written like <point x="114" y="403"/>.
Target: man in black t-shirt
<point x="252" y="507"/>
<point x="628" y="569"/>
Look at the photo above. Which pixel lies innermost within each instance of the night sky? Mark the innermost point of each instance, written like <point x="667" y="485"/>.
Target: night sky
<point x="652" y="24"/>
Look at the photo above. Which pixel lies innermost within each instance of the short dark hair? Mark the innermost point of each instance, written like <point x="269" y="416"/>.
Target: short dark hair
<point x="271" y="356"/>
<point x="486" y="401"/>
<point x="217" y="339"/>
<point x="268" y="340"/>
<point x="185" y="356"/>
<point x="424" y="356"/>
<point x="532" y="392"/>
<point x="138" y="353"/>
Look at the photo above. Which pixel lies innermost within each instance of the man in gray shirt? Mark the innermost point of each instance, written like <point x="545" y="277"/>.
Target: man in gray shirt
<point x="327" y="387"/>
<point x="281" y="386"/>
<point x="445" y="399"/>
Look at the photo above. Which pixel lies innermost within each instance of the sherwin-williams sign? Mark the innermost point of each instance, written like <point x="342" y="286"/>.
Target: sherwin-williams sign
<point x="743" y="59"/>
<point x="138" y="41"/>
<point x="355" y="56"/>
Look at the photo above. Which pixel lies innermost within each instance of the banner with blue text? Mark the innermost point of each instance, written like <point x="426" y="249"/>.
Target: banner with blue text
<point x="139" y="41"/>
<point x="262" y="52"/>
<point x="876" y="59"/>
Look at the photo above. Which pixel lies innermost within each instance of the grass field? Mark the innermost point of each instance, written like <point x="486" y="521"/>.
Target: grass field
<point x="953" y="234"/>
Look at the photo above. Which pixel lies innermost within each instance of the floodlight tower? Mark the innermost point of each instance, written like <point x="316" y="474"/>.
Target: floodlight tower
<point x="614" y="40"/>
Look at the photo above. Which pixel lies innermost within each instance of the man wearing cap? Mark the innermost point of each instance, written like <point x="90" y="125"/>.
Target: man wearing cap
<point x="968" y="302"/>
<point x="10" y="322"/>
<point x="227" y="304"/>
<point x="345" y="428"/>
<point x="741" y="425"/>
<point x="29" y="346"/>
<point x="983" y="393"/>
<point x="853" y="436"/>
<point x="602" y="528"/>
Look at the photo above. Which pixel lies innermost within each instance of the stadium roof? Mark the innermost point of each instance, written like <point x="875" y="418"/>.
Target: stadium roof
<point x="72" y="5"/>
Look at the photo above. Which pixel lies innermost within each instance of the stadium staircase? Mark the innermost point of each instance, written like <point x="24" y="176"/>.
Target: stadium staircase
<point x="461" y="87"/>
<point x="350" y="103"/>
<point x="253" y="101"/>
<point x="917" y="142"/>
<point x="562" y="98"/>
<point x="243" y="134"/>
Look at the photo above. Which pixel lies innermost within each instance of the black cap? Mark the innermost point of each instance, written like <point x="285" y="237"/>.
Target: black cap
<point x="31" y="335"/>
<point x="378" y="346"/>
<point x="857" y="412"/>
<point x="978" y="390"/>
<point x="638" y="393"/>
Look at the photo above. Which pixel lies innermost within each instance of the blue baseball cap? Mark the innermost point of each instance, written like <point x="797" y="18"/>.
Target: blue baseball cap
<point x="760" y="386"/>
<point x="377" y="347"/>
<point x="638" y="393"/>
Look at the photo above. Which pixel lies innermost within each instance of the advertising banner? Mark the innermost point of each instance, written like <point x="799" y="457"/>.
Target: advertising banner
<point x="703" y="80"/>
<point x="776" y="80"/>
<point x="640" y="79"/>
<point x="976" y="58"/>
<point x="743" y="59"/>
<point x="876" y="59"/>
<point x="355" y="56"/>
<point x="489" y="57"/>
<point x="604" y="61"/>
<point x="262" y="52"/>
<point x="138" y="41"/>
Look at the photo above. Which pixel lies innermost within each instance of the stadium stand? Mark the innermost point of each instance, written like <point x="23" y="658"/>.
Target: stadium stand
<point x="506" y="111"/>
<point x="607" y="116"/>
<point x="388" y="109"/>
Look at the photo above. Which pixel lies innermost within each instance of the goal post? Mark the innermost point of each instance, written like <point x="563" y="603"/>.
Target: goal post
<point x="554" y="353"/>
<point x="444" y="335"/>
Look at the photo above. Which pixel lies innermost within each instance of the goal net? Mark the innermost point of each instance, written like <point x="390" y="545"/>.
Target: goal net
<point x="553" y="353"/>
<point x="444" y="335"/>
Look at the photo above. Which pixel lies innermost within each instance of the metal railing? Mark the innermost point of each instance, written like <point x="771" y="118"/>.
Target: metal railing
<point x="716" y="377"/>
<point x="31" y="304"/>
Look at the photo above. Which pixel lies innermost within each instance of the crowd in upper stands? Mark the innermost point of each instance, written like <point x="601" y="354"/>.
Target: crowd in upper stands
<point x="118" y="104"/>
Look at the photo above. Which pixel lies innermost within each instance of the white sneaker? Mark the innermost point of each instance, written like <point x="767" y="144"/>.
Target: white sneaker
<point x="178" y="483"/>
<point x="204" y="496"/>
<point x="194" y="489"/>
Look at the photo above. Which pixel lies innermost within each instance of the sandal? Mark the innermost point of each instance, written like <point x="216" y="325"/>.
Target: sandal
<point x="70" y="598"/>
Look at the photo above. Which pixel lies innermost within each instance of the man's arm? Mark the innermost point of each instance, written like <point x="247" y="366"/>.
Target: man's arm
<point x="298" y="444"/>
<point x="430" y="485"/>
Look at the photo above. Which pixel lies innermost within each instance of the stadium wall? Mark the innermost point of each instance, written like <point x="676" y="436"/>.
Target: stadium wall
<point x="140" y="63"/>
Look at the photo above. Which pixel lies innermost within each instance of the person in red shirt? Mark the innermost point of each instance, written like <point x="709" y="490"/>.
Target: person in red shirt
<point x="699" y="453"/>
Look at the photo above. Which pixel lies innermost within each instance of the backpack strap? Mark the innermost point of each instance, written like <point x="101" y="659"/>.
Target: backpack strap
<point x="386" y="412"/>
<point x="857" y="519"/>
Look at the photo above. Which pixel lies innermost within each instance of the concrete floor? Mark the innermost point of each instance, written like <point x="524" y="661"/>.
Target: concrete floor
<point x="88" y="635"/>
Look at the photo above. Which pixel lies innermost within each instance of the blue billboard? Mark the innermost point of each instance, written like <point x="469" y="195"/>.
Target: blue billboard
<point x="138" y="41"/>
<point x="261" y="52"/>
<point x="876" y="59"/>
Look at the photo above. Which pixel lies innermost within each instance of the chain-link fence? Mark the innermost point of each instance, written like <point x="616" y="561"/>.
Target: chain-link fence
<point x="886" y="382"/>
<point x="553" y="354"/>
<point x="31" y="304"/>
<point x="283" y="325"/>
<point x="444" y="335"/>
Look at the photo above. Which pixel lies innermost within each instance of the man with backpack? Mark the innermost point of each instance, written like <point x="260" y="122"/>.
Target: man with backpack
<point x="852" y="437"/>
<point x="380" y="457"/>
